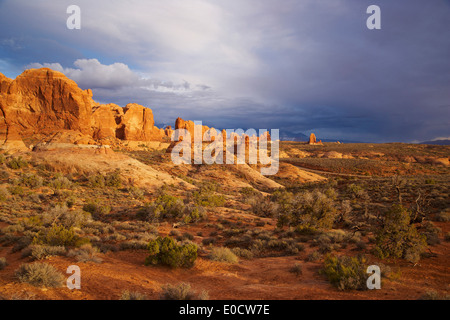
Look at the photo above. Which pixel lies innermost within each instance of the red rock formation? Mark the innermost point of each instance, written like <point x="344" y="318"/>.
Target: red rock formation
<point x="106" y="121"/>
<point x="312" y="139"/>
<point x="4" y="82"/>
<point x="43" y="101"/>
<point x="168" y="131"/>
<point x="189" y="126"/>
<point x="139" y="124"/>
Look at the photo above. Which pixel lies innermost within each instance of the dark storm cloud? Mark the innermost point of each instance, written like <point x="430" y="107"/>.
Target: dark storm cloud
<point x="300" y="66"/>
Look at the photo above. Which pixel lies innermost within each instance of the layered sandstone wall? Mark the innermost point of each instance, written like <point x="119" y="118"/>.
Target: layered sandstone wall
<point x="43" y="101"/>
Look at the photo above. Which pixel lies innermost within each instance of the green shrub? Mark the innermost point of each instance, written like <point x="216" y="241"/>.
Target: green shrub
<point x="283" y="198"/>
<point x="96" y="210"/>
<point x="447" y="236"/>
<point x="187" y="236"/>
<point x="263" y="206"/>
<point x="431" y="233"/>
<point x="182" y="291"/>
<point x="223" y="254"/>
<point x="166" y="251"/>
<point x="209" y="186"/>
<point x="70" y="202"/>
<point x="3" y="263"/>
<point x="243" y="253"/>
<point x="398" y="238"/>
<point x="30" y="180"/>
<point x="248" y="193"/>
<point x="314" y="256"/>
<point x="113" y="179"/>
<point x="332" y="236"/>
<point x="307" y="211"/>
<point x="260" y="223"/>
<point x="60" y="214"/>
<point x="39" y="252"/>
<point x="134" y="245"/>
<point x="208" y="241"/>
<point x="4" y="193"/>
<point x="433" y="295"/>
<point x="165" y="206"/>
<point x="97" y="181"/>
<point x="136" y="193"/>
<point x="208" y="199"/>
<point x="206" y="196"/>
<point x="296" y="269"/>
<point x="306" y="230"/>
<point x="17" y="163"/>
<point x="357" y="191"/>
<point x="40" y="275"/>
<point x="443" y="216"/>
<point x="194" y="214"/>
<point x="60" y="182"/>
<point x="16" y="190"/>
<point x="132" y="295"/>
<point x="175" y="233"/>
<point x="346" y="273"/>
<point x="58" y="235"/>
<point x="86" y="253"/>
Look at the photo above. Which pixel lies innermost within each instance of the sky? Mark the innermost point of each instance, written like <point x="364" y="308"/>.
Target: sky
<point x="300" y="66"/>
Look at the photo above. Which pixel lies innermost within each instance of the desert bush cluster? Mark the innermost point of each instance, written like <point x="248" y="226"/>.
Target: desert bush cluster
<point x="181" y="291"/>
<point x="346" y="273"/>
<point x="167" y="251"/>
<point x="40" y="275"/>
<point x="398" y="238"/>
<point x="168" y="207"/>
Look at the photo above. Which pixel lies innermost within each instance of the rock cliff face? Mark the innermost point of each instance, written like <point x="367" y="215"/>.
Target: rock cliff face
<point x="189" y="126"/>
<point x="104" y="121"/>
<point x="138" y="124"/>
<point x="43" y="101"/>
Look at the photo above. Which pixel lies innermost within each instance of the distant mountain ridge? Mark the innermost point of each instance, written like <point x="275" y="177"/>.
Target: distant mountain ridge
<point x="289" y="136"/>
<point x="439" y="142"/>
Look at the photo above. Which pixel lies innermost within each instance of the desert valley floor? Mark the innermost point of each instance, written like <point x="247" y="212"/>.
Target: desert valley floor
<point x="112" y="203"/>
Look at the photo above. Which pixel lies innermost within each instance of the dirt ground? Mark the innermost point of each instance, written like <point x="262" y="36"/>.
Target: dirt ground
<point x="256" y="279"/>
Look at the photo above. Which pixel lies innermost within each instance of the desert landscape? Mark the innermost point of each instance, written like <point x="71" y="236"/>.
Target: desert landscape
<point x="93" y="185"/>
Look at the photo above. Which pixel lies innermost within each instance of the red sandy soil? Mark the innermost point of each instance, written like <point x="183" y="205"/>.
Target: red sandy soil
<point x="256" y="279"/>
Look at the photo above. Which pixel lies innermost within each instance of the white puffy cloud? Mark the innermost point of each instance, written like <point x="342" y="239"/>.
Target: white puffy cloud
<point x="90" y="73"/>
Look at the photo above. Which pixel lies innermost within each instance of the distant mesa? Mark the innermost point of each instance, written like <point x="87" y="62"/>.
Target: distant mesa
<point x="313" y="140"/>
